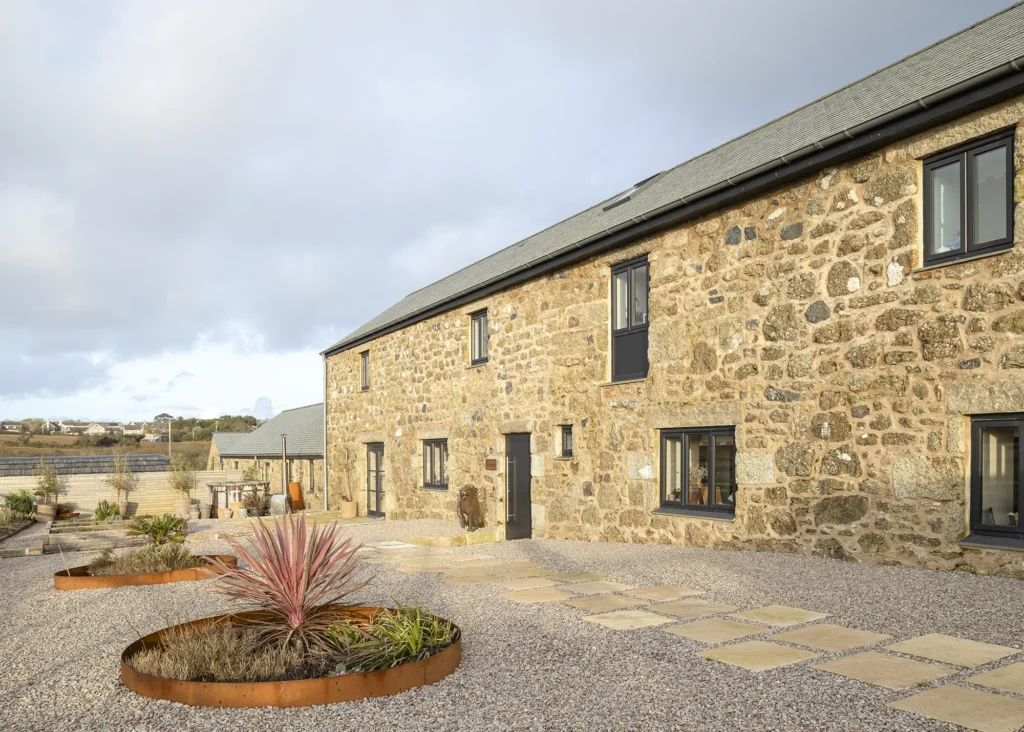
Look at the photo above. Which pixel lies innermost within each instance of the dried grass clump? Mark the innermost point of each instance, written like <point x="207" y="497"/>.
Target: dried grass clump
<point x="222" y="652"/>
<point x="152" y="558"/>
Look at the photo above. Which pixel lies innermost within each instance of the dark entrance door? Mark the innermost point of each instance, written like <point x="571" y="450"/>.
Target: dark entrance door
<point x="375" y="479"/>
<point x="518" y="519"/>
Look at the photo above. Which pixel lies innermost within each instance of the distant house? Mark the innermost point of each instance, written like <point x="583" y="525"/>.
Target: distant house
<point x="72" y="427"/>
<point x="6" y="426"/>
<point x="103" y="428"/>
<point x="304" y="430"/>
<point x="155" y="438"/>
<point x="49" y="427"/>
<point x="134" y="428"/>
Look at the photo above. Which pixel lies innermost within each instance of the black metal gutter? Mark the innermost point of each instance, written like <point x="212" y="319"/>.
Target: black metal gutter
<point x="969" y="96"/>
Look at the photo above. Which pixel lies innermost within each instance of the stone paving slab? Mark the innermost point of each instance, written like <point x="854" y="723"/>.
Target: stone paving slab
<point x="520" y="565"/>
<point x="544" y="594"/>
<point x="664" y="593"/>
<point x="604" y="603"/>
<point x="471" y="579"/>
<point x="692" y="608"/>
<point x="628" y="619"/>
<point x="1008" y="678"/>
<point x="421" y="569"/>
<point x="715" y="630"/>
<point x="952" y="650"/>
<point x="469" y="557"/>
<point x="520" y="573"/>
<point x="970" y="708"/>
<point x="831" y="638"/>
<point x="526" y="583"/>
<point x="595" y="588"/>
<point x="780" y="615"/>
<point x="579" y="577"/>
<point x="758" y="655"/>
<point x="881" y="669"/>
<point x="467" y="571"/>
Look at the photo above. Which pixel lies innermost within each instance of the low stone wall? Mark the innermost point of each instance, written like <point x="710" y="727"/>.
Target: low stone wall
<point x="153" y="495"/>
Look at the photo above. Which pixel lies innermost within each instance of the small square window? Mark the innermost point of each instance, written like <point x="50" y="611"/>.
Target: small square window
<point x="479" y="338"/>
<point x="698" y="469"/>
<point x="435" y="464"/>
<point x="364" y="371"/>
<point x="968" y="200"/>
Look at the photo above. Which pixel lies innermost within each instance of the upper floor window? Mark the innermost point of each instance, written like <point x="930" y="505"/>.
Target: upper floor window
<point x="630" y="288"/>
<point x="435" y="464"/>
<point x="968" y="199"/>
<point x="364" y="371"/>
<point x="698" y="469"/>
<point x="478" y="338"/>
<point x="997" y="483"/>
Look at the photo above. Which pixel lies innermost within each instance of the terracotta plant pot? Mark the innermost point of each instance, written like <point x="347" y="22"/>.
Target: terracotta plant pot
<point x="349" y="509"/>
<point x="223" y="513"/>
<point x="301" y="693"/>
<point x="78" y="578"/>
<point x="204" y="510"/>
<point x="46" y="512"/>
<point x="295" y="493"/>
<point x="193" y="513"/>
<point x="181" y="507"/>
<point x="122" y="508"/>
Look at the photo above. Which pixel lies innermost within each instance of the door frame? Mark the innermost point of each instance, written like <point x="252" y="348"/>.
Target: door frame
<point x="378" y="449"/>
<point x="510" y="504"/>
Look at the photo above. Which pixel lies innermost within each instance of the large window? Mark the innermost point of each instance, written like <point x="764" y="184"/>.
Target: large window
<point x="478" y="338"/>
<point x="629" y="320"/>
<point x="698" y="469"/>
<point x="968" y="200"/>
<point x="435" y="464"/>
<point x="997" y="490"/>
<point x="364" y="371"/>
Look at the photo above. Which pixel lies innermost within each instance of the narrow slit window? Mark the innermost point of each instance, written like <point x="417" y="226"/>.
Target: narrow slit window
<point x="478" y="338"/>
<point x="364" y="371"/>
<point x="566" y="440"/>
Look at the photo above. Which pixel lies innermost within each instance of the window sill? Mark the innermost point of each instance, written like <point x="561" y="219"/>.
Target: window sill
<point x="476" y="365"/>
<point x="564" y="459"/>
<point x="435" y="488"/>
<point x="963" y="260"/>
<point x="1006" y="543"/>
<point x="624" y="381"/>
<point x="691" y="513"/>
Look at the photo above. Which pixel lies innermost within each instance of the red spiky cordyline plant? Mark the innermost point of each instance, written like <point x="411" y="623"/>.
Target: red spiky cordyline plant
<point x="292" y="576"/>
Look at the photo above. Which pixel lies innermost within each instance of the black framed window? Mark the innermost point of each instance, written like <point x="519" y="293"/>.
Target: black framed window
<point x="968" y="199"/>
<point x="435" y="464"/>
<point x="566" y="441"/>
<point x="997" y="488"/>
<point x="364" y="371"/>
<point x="630" y="290"/>
<point x="478" y="338"/>
<point x="698" y="469"/>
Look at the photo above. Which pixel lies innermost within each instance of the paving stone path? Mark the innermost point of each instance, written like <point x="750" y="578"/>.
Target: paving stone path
<point x="788" y="635"/>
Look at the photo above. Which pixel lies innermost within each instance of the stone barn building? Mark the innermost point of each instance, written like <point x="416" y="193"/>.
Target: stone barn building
<point x="304" y="429"/>
<point x="809" y="339"/>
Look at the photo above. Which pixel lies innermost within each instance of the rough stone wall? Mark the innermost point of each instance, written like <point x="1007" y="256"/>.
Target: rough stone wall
<point x="795" y="317"/>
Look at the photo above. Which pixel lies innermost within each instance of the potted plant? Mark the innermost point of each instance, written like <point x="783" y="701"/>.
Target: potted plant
<point x="48" y="486"/>
<point x="123" y="481"/>
<point x="349" y="508"/>
<point x="182" y="480"/>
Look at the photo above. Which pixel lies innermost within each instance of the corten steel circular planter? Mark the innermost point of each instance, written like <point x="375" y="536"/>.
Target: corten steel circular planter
<point x="78" y="578"/>
<point x="300" y="693"/>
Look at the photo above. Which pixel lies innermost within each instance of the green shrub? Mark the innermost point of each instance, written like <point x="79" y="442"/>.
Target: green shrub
<point x="19" y="502"/>
<point x="105" y="511"/>
<point x="152" y="558"/>
<point x="398" y="636"/>
<point x="164" y="529"/>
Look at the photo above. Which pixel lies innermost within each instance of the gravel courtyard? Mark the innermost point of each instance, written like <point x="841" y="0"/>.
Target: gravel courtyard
<point x="525" y="666"/>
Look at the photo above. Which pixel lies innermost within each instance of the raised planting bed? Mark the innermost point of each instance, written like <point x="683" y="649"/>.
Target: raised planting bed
<point x="297" y="693"/>
<point x="78" y="578"/>
<point x="9" y="530"/>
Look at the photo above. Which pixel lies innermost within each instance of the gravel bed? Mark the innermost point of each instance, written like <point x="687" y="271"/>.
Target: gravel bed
<point x="525" y="666"/>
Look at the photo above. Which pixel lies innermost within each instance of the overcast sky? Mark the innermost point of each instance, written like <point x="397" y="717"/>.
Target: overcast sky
<point x="198" y="197"/>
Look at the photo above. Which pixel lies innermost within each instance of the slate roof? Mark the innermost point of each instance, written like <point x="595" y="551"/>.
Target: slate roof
<point x="981" y="48"/>
<point x="304" y="427"/>
<point x="82" y="464"/>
